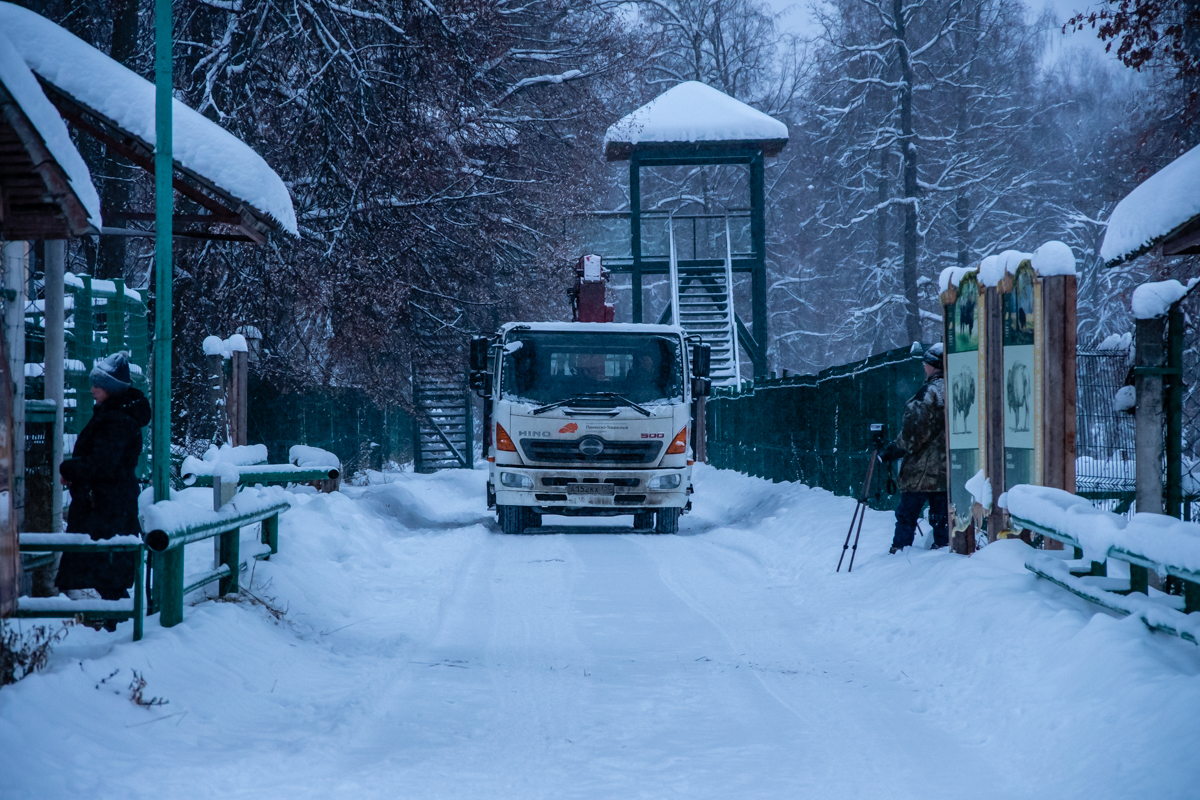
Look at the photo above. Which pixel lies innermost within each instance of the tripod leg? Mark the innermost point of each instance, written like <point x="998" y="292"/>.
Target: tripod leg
<point x="860" y="511"/>
<point x="862" y="504"/>
<point x="846" y="544"/>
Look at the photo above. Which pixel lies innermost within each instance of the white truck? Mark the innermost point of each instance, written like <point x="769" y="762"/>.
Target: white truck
<point x="589" y="419"/>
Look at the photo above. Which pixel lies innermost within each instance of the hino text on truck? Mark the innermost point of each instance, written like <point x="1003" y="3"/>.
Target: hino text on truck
<point x="590" y="418"/>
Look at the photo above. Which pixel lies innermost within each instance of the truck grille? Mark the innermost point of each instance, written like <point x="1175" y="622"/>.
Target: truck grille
<point x="560" y="452"/>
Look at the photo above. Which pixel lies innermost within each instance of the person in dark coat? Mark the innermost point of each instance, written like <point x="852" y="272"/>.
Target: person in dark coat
<point x="922" y="445"/>
<point x="104" y="487"/>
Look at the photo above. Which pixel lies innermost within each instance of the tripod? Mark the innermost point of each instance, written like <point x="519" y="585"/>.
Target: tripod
<point x="860" y="511"/>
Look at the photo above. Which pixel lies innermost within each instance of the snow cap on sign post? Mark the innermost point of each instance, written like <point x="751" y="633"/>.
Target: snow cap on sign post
<point x="1155" y="299"/>
<point x="1054" y="258"/>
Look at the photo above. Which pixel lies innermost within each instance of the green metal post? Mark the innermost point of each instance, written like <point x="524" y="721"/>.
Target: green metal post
<point x="139" y="594"/>
<point x="229" y="554"/>
<point x="1174" y="443"/>
<point x="270" y="533"/>
<point x="85" y="348"/>
<point x="758" y="236"/>
<point x="1191" y="597"/>
<point x="635" y="233"/>
<point x="469" y="433"/>
<point x="168" y="586"/>
<point x="115" y="311"/>
<point x="163" y="222"/>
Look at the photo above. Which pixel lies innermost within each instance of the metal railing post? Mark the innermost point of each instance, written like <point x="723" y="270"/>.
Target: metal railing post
<point x="229" y="555"/>
<point x="270" y="533"/>
<point x="1174" y="441"/>
<point x="168" y="586"/>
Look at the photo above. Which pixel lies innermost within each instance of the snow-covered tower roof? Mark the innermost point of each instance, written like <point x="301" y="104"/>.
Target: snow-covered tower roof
<point x="697" y="116"/>
<point x="1164" y="209"/>
<point x="46" y="187"/>
<point x="109" y="101"/>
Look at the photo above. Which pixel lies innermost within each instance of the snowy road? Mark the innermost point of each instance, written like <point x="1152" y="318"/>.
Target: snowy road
<point x="425" y="655"/>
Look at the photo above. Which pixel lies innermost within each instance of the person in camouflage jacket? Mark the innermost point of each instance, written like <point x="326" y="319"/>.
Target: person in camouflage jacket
<point x="922" y="445"/>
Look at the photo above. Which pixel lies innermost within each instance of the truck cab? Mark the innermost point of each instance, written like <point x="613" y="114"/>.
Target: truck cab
<point x="588" y="419"/>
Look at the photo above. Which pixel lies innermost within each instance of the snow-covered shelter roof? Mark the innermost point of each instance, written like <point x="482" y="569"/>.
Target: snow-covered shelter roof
<point x="47" y="191"/>
<point x="695" y="114"/>
<point x="1165" y="208"/>
<point x="86" y="83"/>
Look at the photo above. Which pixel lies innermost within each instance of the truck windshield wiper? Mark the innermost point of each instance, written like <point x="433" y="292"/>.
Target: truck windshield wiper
<point x="612" y="396"/>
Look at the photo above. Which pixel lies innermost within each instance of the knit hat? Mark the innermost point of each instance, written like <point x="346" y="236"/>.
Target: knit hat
<point x="112" y="373"/>
<point x="933" y="356"/>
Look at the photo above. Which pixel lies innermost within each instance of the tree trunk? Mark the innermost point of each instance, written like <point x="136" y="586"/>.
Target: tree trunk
<point x="117" y="175"/>
<point x="908" y="152"/>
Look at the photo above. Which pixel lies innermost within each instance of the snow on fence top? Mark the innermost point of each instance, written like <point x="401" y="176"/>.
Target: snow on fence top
<point x="99" y="285"/>
<point x="177" y="516"/>
<point x="44" y="118"/>
<point x="312" y="457"/>
<point x="242" y="456"/>
<point x="1159" y="538"/>
<point x="125" y="99"/>
<point x="1155" y="299"/>
<point x="1052" y="258"/>
<point x="692" y="112"/>
<point x="1158" y="207"/>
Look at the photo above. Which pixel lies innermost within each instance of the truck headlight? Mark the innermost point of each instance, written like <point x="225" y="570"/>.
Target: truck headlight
<point x="515" y="480"/>
<point x="664" y="482"/>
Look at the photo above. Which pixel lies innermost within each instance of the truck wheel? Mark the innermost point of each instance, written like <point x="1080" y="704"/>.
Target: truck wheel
<point x="667" y="520"/>
<point x="513" y="519"/>
<point x="643" y="520"/>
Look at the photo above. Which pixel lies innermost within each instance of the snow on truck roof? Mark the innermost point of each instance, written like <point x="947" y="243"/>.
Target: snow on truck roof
<point x="593" y="327"/>
<point x="692" y="112"/>
<point x="27" y="93"/>
<point x="126" y="100"/>
<point x="1160" y="206"/>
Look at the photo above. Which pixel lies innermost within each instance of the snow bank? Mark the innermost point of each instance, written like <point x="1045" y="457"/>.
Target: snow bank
<point x="45" y="119"/>
<point x="1162" y="203"/>
<point x="417" y="640"/>
<point x="694" y="112"/>
<point x="1155" y="299"/>
<point x="312" y="457"/>
<point x="120" y="95"/>
<point x="1159" y="538"/>
<point x="1054" y="258"/>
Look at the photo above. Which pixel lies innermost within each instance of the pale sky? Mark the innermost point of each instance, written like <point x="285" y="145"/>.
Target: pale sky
<point x="798" y="19"/>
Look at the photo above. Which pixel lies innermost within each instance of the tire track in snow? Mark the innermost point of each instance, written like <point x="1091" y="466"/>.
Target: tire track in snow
<point x="897" y="746"/>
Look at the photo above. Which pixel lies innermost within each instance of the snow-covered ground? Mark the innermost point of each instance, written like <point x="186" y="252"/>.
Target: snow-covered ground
<point x="425" y="655"/>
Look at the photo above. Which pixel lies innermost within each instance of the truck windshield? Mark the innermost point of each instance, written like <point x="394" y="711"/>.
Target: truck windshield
<point x="548" y="366"/>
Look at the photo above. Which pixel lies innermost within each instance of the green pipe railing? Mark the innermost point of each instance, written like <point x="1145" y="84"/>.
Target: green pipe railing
<point x="1139" y="565"/>
<point x="60" y="608"/>
<point x="168" y="587"/>
<point x="277" y="474"/>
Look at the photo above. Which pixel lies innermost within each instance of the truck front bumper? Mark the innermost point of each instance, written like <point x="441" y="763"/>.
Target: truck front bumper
<point x="591" y="492"/>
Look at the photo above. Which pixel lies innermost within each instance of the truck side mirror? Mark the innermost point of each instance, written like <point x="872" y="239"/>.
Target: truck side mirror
<point x="701" y="360"/>
<point x="479" y="353"/>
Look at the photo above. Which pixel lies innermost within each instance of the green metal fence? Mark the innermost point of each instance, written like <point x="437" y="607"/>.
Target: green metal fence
<point x="815" y="429"/>
<point x="343" y="421"/>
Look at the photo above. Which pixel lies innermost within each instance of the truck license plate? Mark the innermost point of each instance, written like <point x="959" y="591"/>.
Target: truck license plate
<point x="591" y="488"/>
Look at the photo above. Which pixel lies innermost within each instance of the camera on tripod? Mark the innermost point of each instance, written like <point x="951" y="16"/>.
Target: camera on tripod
<point x="877" y="439"/>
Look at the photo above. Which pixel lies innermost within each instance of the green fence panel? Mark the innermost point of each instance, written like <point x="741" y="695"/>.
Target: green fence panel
<point x="815" y="429"/>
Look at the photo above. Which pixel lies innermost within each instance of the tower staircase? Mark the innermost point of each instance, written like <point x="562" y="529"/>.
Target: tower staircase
<point x="702" y="304"/>
<point x="443" y="427"/>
